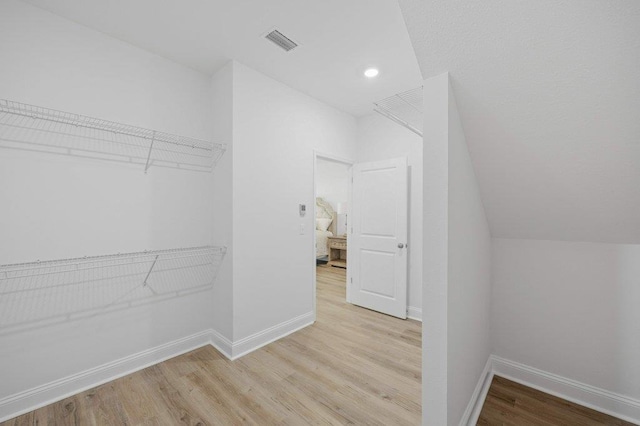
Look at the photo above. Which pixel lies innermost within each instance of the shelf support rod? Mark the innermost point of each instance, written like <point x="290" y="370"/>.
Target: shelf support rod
<point x="380" y="110"/>
<point x="146" y="167"/>
<point x="144" y="284"/>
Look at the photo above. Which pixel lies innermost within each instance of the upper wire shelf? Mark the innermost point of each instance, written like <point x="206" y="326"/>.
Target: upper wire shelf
<point x="34" y="128"/>
<point x="43" y="293"/>
<point x="403" y="108"/>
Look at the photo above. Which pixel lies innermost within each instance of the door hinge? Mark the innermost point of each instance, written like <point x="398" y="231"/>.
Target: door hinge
<point x="351" y="280"/>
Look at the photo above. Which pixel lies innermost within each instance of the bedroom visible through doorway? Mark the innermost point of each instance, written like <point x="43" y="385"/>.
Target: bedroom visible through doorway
<point x="331" y="218"/>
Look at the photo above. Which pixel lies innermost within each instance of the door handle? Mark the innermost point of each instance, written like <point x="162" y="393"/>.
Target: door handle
<point x="400" y="245"/>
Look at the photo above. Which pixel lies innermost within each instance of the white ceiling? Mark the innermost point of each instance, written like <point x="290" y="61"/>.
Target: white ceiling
<point x="338" y="40"/>
<point x="549" y="94"/>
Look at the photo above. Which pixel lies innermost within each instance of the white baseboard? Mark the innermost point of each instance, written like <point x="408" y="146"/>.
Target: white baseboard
<point x="472" y="412"/>
<point x="611" y="403"/>
<point x="40" y="396"/>
<point x="414" y="313"/>
<point x="222" y="344"/>
<point x="235" y="350"/>
<point x="271" y="334"/>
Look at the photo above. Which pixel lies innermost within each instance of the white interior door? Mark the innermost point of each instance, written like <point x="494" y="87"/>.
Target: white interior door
<point x="377" y="249"/>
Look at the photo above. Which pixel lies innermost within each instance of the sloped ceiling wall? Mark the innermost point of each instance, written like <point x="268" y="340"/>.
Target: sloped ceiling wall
<point x="549" y="94"/>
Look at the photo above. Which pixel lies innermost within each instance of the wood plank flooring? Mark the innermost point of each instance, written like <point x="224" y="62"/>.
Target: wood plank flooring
<point x="353" y="366"/>
<point x="509" y="403"/>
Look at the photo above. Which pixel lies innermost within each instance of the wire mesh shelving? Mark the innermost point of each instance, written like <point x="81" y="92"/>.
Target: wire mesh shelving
<point x="34" y="128"/>
<point x="42" y="293"/>
<point x="404" y="109"/>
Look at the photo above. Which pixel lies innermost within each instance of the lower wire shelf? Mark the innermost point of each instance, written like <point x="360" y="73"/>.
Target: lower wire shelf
<point x="40" y="293"/>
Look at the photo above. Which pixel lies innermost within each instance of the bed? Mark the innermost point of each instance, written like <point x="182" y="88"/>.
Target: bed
<point x="325" y="226"/>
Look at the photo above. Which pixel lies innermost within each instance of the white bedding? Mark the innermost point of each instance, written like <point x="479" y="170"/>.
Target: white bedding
<point x="321" y="243"/>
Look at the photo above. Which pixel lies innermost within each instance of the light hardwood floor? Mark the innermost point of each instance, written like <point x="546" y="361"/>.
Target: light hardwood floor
<point x="353" y="366"/>
<point x="509" y="403"/>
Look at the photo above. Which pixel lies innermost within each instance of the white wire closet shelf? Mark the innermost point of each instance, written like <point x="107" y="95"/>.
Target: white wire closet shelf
<point x="43" y="293"/>
<point x="404" y="109"/>
<point x="34" y="128"/>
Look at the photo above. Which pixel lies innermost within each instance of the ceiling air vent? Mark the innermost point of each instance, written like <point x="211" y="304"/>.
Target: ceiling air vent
<point x="281" y="40"/>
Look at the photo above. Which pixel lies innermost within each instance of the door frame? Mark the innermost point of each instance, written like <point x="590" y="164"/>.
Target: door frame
<point x="330" y="157"/>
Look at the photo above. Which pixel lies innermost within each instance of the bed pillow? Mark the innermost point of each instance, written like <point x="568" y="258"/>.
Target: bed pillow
<point x="322" y="224"/>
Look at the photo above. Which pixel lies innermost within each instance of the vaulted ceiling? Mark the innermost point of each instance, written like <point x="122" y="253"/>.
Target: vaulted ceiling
<point x="338" y="40"/>
<point x="549" y="94"/>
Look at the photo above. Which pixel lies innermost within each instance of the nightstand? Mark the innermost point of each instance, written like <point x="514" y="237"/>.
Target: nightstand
<point x="337" y="247"/>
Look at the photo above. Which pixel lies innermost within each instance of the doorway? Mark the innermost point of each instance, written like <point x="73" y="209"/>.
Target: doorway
<point x="331" y="200"/>
<point x="361" y="227"/>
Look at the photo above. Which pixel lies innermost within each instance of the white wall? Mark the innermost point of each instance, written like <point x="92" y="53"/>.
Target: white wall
<point x="66" y="206"/>
<point x="435" y="252"/>
<point x="571" y="309"/>
<point x="61" y="206"/>
<point x="469" y="273"/>
<point x="222" y="196"/>
<point x="380" y="139"/>
<point x="456" y="262"/>
<point x="332" y="181"/>
<point x="275" y="131"/>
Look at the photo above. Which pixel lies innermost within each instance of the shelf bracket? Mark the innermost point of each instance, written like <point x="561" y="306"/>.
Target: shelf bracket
<point x="153" y="139"/>
<point x="144" y="284"/>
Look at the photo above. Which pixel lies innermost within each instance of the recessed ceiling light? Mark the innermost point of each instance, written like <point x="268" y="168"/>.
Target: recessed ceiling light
<point x="371" y="72"/>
